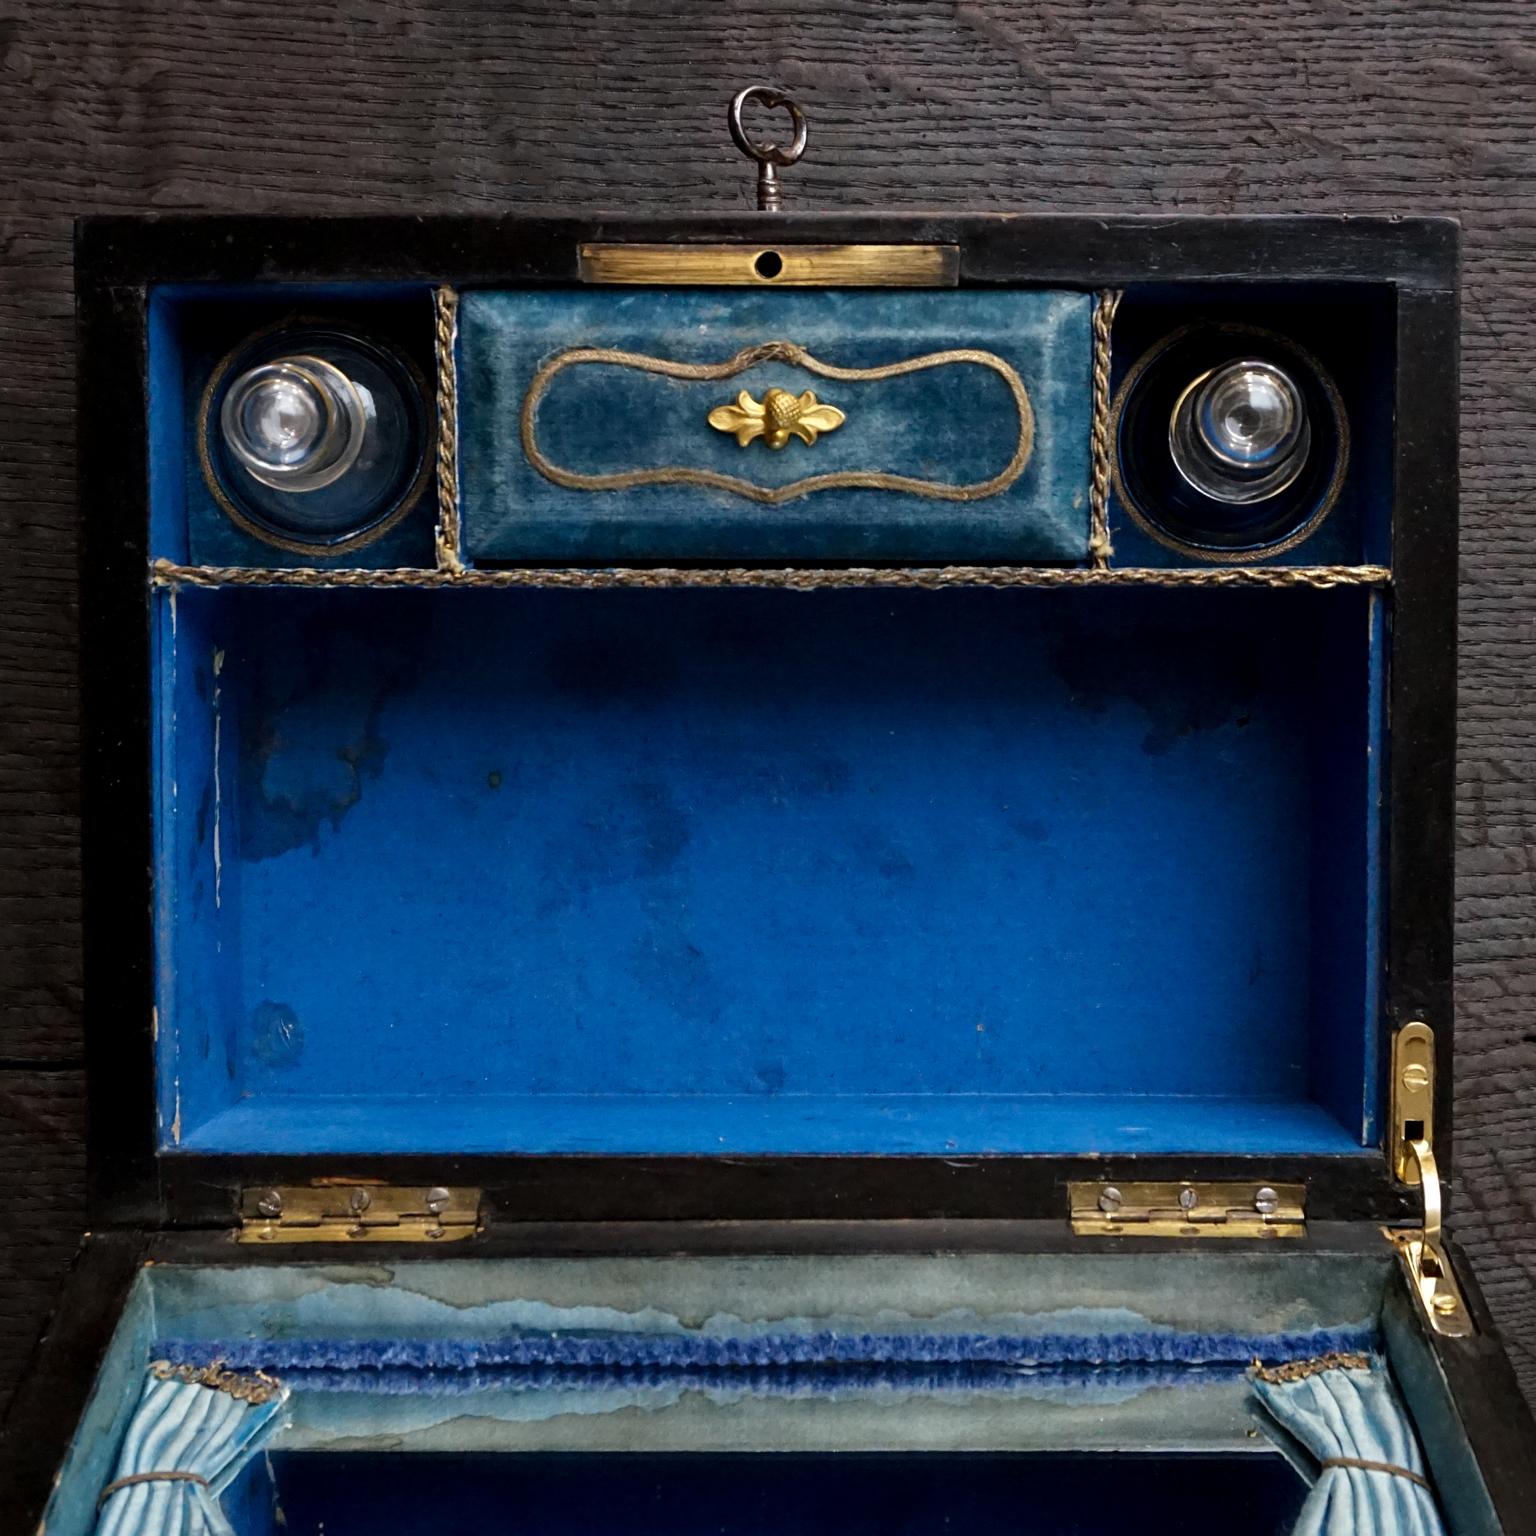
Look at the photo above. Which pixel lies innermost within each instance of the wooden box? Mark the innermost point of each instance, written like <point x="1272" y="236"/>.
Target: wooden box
<point x="665" y="978"/>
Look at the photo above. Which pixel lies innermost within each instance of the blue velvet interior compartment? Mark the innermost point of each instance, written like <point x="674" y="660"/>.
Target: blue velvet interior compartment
<point x="1349" y="330"/>
<point x="766" y="1495"/>
<point x="191" y="328"/>
<point x="693" y="872"/>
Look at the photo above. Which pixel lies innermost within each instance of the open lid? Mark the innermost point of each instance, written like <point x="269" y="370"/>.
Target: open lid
<point x="706" y="899"/>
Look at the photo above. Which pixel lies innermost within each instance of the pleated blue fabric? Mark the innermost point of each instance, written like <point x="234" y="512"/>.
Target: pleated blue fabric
<point x="1345" y="1408"/>
<point x="204" y="1424"/>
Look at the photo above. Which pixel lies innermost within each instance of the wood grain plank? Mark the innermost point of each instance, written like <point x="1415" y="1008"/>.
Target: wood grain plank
<point x="1073" y="105"/>
<point x="42" y="1170"/>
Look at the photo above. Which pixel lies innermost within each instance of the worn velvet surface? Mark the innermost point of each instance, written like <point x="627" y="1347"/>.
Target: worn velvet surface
<point x="754" y="872"/>
<point x="953" y="425"/>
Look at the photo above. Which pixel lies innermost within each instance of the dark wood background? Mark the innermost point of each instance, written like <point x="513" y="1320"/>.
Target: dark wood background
<point x="1082" y="105"/>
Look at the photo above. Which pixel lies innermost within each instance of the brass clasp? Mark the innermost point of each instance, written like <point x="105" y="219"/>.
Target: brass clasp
<point x="1412" y="1153"/>
<point x="1423" y="1256"/>
<point x="1413" y="1097"/>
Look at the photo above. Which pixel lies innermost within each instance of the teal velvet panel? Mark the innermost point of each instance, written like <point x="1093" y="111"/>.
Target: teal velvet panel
<point x="955" y="424"/>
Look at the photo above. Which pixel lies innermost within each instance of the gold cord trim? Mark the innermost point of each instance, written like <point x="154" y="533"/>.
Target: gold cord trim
<point x="165" y="573"/>
<point x="118" y="1484"/>
<point x="1375" y="1466"/>
<point x="255" y="1387"/>
<point x="1299" y="1370"/>
<point x="751" y="357"/>
<point x="1099" y="546"/>
<point x="446" y="306"/>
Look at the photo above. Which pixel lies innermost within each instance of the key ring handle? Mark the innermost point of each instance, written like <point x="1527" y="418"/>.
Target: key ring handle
<point x="770" y="157"/>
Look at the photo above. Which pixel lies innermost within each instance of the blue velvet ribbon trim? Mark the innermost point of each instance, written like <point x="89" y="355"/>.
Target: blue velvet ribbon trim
<point x="802" y="1362"/>
<point x="800" y="1382"/>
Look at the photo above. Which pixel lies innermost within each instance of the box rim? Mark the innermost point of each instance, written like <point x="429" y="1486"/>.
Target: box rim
<point x="119" y="257"/>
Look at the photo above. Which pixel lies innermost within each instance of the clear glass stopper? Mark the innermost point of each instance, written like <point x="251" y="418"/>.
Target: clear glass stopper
<point x="1240" y="433"/>
<point x="296" y="424"/>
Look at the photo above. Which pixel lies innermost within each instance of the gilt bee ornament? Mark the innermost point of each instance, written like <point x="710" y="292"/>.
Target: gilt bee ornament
<point x="779" y="416"/>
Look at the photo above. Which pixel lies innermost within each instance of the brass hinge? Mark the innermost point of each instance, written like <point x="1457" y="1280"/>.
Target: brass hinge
<point x="355" y="1212"/>
<point x="1189" y="1209"/>
<point x="1413" y="1162"/>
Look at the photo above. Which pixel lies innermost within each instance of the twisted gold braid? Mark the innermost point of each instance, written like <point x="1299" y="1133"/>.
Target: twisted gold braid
<point x="446" y="306"/>
<point x="165" y="573"/>
<point x="1099" y="546"/>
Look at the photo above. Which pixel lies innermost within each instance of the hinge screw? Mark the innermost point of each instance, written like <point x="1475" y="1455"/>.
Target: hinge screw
<point x="438" y="1201"/>
<point x="1188" y="1199"/>
<point x="1266" y="1202"/>
<point x="358" y="1201"/>
<point x="269" y="1203"/>
<point x="1110" y="1200"/>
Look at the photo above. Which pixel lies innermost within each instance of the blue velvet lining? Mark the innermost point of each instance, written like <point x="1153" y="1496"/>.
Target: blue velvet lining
<point x="755" y="873"/>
